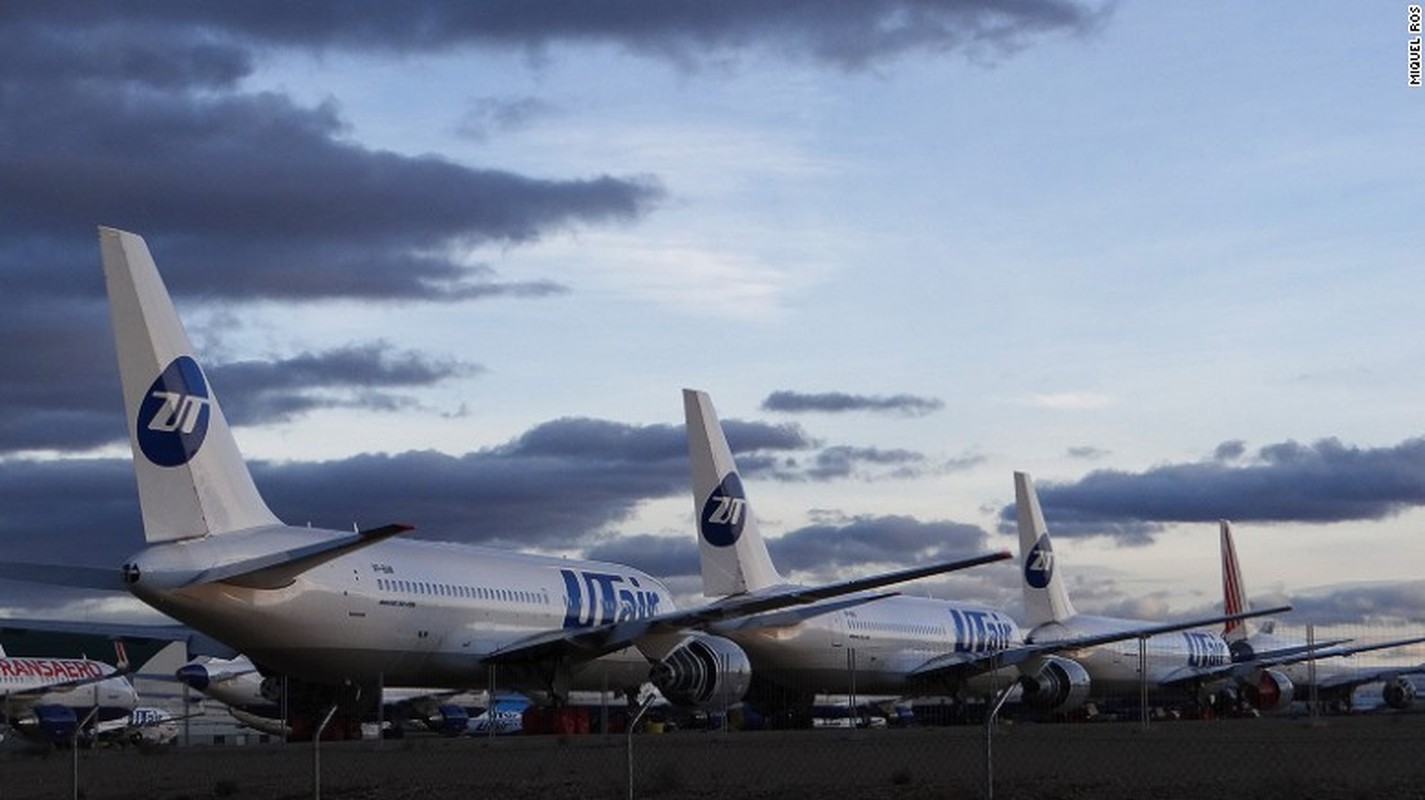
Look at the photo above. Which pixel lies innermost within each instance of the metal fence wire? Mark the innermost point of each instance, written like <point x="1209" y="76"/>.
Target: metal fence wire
<point x="1362" y="749"/>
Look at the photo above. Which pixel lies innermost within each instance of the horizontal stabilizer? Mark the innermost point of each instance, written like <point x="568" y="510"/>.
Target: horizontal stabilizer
<point x="279" y="569"/>
<point x="104" y="579"/>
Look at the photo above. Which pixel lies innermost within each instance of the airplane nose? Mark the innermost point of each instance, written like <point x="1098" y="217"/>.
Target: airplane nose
<point x="195" y="676"/>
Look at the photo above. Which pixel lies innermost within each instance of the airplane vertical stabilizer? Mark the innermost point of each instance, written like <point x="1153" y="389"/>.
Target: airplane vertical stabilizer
<point x="1234" y="594"/>
<point x="1045" y="597"/>
<point x="191" y="478"/>
<point x="734" y="555"/>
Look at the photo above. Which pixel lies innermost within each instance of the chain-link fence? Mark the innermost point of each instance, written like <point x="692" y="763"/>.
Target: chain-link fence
<point x="1204" y="745"/>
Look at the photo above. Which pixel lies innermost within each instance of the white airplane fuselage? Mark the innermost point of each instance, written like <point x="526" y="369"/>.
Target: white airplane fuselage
<point x="411" y="612"/>
<point x="26" y="682"/>
<point x="1120" y="669"/>
<point x="873" y="648"/>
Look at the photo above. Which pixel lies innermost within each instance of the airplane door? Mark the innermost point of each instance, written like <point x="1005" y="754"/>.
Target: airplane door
<point x="356" y="598"/>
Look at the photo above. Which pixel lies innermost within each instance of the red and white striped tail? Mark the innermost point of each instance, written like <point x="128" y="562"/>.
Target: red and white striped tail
<point x="1234" y="596"/>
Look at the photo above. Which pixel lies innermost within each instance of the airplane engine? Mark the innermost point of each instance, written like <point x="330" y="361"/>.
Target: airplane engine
<point x="53" y="723"/>
<point x="1398" y="693"/>
<point x="271" y="689"/>
<point x="1273" y="690"/>
<point x="449" y="720"/>
<point x="1060" y="684"/>
<point x="704" y="671"/>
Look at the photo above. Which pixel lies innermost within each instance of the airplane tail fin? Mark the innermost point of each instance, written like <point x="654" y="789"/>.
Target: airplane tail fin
<point x="1234" y="594"/>
<point x="191" y="477"/>
<point x="1045" y="597"/>
<point x="733" y="553"/>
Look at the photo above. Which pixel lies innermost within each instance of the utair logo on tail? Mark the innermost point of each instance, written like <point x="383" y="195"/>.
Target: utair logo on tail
<point x="1039" y="564"/>
<point x="173" y="418"/>
<point x="724" y="513"/>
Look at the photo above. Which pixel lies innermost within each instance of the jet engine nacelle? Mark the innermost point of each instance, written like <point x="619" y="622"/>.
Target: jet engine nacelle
<point x="53" y="723"/>
<point x="1059" y="684"/>
<point x="449" y="720"/>
<point x="703" y="671"/>
<point x="1398" y="693"/>
<point x="1272" y="690"/>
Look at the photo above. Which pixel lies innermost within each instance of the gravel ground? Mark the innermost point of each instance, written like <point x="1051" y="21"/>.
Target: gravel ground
<point x="1344" y="757"/>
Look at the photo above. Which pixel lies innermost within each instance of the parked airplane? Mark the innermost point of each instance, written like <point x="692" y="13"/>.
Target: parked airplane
<point x="338" y="611"/>
<point x="46" y="699"/>
<point x="1284" y="669"/>
<point x="256" y="701"/>
<point x="1183" y="664"/>
<point x="503" y="716"/>
<point x="899" y="645"/>
<point x="145" y="725"/>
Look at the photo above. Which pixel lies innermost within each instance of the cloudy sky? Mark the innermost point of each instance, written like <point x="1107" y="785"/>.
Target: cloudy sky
<point x="452" y="266"/>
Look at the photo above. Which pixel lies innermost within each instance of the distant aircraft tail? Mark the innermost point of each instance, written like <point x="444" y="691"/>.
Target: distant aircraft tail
<point x="734" y="555"/>
<point x="1234" y="594"/>
<point x="192" y="480"/>
<point x="1045" y="597"/>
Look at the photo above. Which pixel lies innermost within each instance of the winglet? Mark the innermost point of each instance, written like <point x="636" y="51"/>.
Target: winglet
<point x="734" y="556"/>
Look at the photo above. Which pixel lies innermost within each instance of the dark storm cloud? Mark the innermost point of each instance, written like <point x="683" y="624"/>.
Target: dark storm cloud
<point x="865" y="462"/>
<point x="560" y="485"/>
<point x="822" y="548"/>
<point x="49" y="405"/>
<point x="358" y="376"/>
<point x="61" y="386"/>
<point x="850" y="34"/>
<point x="251" y="196"/>
<point x="1358" y="604"/>
<point x="876" y="540"/>
<point x="837" y="402"/>
<point x="662" y="556"/>
<point x="1327" y="481"/>
<point x="138" y="120"/>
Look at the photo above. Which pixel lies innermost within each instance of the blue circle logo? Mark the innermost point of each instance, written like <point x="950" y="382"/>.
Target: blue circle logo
<point x="1039" y="564"/>
<point x="724" y="513"/>
<point x="173" y="417"/>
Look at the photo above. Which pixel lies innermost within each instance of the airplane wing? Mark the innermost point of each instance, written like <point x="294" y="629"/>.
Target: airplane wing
<point x="1329" y="649"/>
<point x="1296" y="654"/>
<point x="105" y="579"/>
<point x="266" y="571"/>
<point x="593" y="642"/>
<point x="1369" y="676"/>
<point x="965" y="664"/>
<point x="197" y="643"/>
<point x="279" y="569"/>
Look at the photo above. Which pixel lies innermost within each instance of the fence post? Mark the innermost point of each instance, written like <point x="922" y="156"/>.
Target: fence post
<point x="317" y="752"/>
<point x="633" y="723"/>
<point x="990" y="733"/>
<point x="1143" y="681"/>
<point x="1311" y="672"/>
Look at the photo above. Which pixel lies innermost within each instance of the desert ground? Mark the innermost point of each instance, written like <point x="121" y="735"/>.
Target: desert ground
<point x="1375" y="756"/>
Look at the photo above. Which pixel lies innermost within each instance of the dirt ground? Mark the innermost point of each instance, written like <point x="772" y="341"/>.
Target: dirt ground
<point x="1343" y="757"/>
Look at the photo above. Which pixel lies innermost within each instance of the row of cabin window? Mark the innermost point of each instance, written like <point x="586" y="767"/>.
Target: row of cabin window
<point x="468" y="592"/>
<point x="866" y="625"/>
